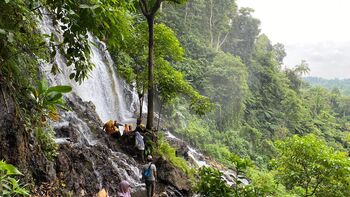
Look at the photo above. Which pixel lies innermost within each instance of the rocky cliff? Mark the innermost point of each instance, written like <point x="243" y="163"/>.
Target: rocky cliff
<point x="88" y="159"/>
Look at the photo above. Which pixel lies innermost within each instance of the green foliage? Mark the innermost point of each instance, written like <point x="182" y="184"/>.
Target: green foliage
<point x="343" y="85"/>
<point x="48" y="99"/>
<point x="229" y="96"/>
<point x="241" y="164"/>
<point x="220" y="152"/>
<point x="255" y="101"/>
<point x="45" y="104"/>
<point x="109" y="20"/>
<point x="202" y="48"/>
<point x="210" y="183"/>
<point x="308" y="165"/>
<point x="19" y="53"/>
<point x="169" y="82"/>
<point x="9" y="186"/>
<point x="263" y="183"/>
<point x="45" y="137"/>
<point x="168" y="153"/>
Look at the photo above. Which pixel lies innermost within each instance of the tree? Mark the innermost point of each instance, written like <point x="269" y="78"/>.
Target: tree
<point x="308" y="165"/>
<point x="294" y="75"/>
<point x="149" y="9"/>
<point x="212" y="184"/>
<point x="226" y="85"/>
<point x="243" y="34"/>
<point x="280" y="53"/>
<point x="241" y="165"/>
<point x="131" y="59"/>
<point x="168" y="82"/>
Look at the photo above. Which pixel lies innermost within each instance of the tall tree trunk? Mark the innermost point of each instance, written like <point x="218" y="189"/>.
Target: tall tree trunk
<point x="211" y="24"/>
<point x="150" y="21"/>
<point x="141" y="98"/>
<point x="160" y="113"/>
<point x="186" y="10"/>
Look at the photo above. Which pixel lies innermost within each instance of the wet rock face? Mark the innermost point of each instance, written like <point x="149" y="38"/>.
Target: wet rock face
<point x="171" y="176"/>
<point x="86" y="111"/>
<point x="83" y="172"/>
<point x="17" y="146"/>
<point x="180" y="146"/>
<point x="13" y="147"/>
<point x="90" y="160"/>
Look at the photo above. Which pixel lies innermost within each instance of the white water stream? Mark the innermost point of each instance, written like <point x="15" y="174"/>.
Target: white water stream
<point x="106" y="91"/>
<point x="103" y="87"/>
<point x="199" y="159"/>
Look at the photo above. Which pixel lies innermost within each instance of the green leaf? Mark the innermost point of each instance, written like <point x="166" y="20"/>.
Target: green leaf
<point x="42" y="86"/>
<point x="53" y="98"/>
<point x="10" y="169"/>
<point x="61" y="89"/>
<point x="85" y="6"/>
<point x="10" y="36"/>
<point x="2" y="31"/>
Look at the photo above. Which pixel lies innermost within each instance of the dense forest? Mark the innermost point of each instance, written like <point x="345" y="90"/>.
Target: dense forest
<point x="343" y="85"/>
<point x="215" y="80"/>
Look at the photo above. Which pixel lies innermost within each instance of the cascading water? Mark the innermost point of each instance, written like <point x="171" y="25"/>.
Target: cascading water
<point x="104" y="89"/>
<point x="228" y="175"/>
<point x="196" y="157"/>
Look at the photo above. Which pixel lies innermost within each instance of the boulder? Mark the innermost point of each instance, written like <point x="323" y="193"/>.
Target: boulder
<point x="170" y="175"/>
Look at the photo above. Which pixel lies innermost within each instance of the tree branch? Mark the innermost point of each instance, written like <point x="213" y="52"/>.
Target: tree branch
<point x="143" y="7"/>
<point x="223" y="41"/>
<point x="36" y="8"/>
<point x="156" y="7"/>
<point x="319" y="180"/>
<point x="23" y="50"/>
<point x="211" y="23"/>
<point x="3" y="95"/>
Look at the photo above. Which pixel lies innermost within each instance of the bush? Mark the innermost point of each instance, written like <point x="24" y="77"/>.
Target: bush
<point x="211" y="184"/>
<point x="307" y="165"/>
<point x="9" y="186"/>
<point x="45" y="137"/>
<point x="168" y="153"/>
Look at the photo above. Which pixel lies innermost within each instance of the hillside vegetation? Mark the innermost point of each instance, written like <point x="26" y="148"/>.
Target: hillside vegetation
<point x="343" y="85"/>
<point x="217" y="82"/>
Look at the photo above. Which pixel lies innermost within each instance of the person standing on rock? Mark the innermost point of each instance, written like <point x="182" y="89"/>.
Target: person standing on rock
<point x="149" y="174"/>
<point x="140" y="145"/>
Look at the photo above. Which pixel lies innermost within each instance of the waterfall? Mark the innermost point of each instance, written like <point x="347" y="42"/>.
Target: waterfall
<point x="102" y="87"/>
<point x="107" y="92"/>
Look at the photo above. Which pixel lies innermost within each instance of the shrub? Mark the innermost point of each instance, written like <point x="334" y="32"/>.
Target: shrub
<point x="168" y="153"/>
<point x="211" y="184"/>
<point x="9" y="186"/>
<point x="45" y="137"/>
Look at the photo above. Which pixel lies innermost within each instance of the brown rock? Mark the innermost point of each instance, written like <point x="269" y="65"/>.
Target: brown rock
<point x="171" y="175"/>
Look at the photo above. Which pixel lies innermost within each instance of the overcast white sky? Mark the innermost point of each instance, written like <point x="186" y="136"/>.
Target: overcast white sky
<point x="317" y="31"/>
